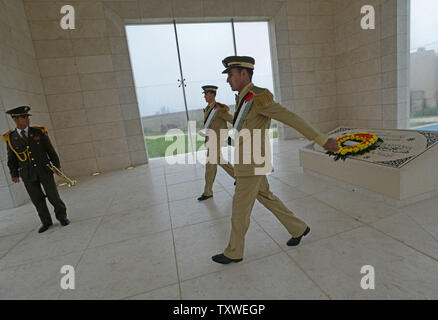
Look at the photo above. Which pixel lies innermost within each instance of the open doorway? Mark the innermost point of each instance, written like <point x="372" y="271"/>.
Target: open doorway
<point x="171" y="62"/>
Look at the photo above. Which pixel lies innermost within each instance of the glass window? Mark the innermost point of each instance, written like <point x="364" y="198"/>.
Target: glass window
<point x="260" y="50"/>
<point x="203" y="46"/>
<point x="246" y="32"/>
<point x="424" y="65"/>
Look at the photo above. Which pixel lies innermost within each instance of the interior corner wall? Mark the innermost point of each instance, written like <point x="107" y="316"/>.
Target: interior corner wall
<point x="88" y="80"/>
<point x="372" y="65"/>
<point x="88" y="84"/>
<point x="20" y="84"/>
<point x="309" y="54"/>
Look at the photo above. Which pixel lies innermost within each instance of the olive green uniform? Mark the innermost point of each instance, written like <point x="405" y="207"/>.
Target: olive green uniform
<point x="215" y="158"/>
<point x="28" y="158"/>
<point x="250" y="183"/>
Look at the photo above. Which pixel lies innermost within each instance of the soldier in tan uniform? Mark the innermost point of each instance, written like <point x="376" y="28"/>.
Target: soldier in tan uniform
<point x="255" y="108"/>
<point x="216" y="117"/>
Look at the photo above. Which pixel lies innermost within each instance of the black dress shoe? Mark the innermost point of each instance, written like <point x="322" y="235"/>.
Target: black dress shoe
<point x="296" y="241"/>
<point x="202" y="198"/>
<point x="221" y="258"/>
<point x="44" y="227"/>
<point x="64" y="222"/>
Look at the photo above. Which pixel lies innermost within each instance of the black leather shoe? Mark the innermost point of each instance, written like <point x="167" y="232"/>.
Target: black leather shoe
<point x="296" y="241"/>
<point x="64" y="222"/>
<point x="202" y="198"/>
<point x="221" y="258"/>
<point x="44" y="227"/>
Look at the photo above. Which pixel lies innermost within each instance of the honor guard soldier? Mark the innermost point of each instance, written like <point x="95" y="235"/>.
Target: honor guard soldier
<point x="216" y="117"/>
<point x="254" y="109"/>
<point x="29" y="153"/>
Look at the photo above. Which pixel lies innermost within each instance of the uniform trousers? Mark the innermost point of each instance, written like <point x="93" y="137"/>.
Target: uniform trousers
<point x="248" y="189"/>
<point x="211" y="170"/>
<point x="39" y="199"/>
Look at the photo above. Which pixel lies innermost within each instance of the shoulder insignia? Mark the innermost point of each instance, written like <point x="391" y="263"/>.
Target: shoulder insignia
<point x="257" y="90"/>
<point x="43" y="129"/>
<point x="223" y="107"/>
<point x="262" y="97"/>
<point x="5" y="136"/>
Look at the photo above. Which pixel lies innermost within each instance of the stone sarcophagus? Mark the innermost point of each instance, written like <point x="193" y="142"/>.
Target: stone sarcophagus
<point x="403" y="168"/>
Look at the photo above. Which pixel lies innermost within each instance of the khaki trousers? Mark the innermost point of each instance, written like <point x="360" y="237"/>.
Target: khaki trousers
<point x="248" y="189"/>
<point x="210" y="175"/>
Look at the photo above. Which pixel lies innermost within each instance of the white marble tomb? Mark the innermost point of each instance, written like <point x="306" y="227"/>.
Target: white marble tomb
<point x="403" y="168"/>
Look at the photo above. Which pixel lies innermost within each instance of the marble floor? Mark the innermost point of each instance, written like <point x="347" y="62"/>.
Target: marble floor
<point x="141" y="234"/>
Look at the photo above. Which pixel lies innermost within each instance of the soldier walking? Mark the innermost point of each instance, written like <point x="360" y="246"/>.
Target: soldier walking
<point x="255" y="108"/>
<point x="216" y="117"/>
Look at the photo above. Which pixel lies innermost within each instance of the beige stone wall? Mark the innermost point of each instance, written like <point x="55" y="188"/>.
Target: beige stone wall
<point x="20" y="84"/>
<point x="86" y="72"/>
<point x="312" y="63"/>
<point x="372" y="65"/>
<point x="88" y="84"/>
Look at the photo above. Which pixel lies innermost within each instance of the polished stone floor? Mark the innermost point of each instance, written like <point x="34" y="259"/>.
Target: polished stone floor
<point x="141" y="234"/>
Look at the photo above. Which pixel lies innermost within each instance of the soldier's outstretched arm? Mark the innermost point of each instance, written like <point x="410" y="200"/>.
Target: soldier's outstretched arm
<point x="278" y="112"/>
<point x="53" y="156"/>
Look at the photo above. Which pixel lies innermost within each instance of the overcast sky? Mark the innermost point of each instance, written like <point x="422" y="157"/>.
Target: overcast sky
<point x="202" y="47"/>
<point x="424" y="24"/>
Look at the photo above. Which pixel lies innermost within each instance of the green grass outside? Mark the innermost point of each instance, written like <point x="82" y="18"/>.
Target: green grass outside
<point x="157" y="147"/>
<point x="154" y="134"/>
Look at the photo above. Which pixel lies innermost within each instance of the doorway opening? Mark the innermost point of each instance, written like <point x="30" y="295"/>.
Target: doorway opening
<point x="171" y="62"/>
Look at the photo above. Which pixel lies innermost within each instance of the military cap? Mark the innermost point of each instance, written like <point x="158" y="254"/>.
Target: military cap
<point x="19" y="111"/>
<point x="209" y="88"/>
<point x="238" y="62"/>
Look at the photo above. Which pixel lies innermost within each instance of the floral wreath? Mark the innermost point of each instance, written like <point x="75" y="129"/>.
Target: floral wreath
<point x="368" y="142"/>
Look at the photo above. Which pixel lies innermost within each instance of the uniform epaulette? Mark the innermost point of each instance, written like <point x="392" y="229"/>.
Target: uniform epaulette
<point x="262" y="97"/>
<point x="43" y="129"/>
<point x="5" y="136"/>
<point x="223" y="107"/>
<point x="257" y="90"/>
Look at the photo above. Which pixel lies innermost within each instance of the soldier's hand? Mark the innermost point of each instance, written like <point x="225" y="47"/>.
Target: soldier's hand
<point x="15" y="179"/>
<point x="331" y="145"/>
